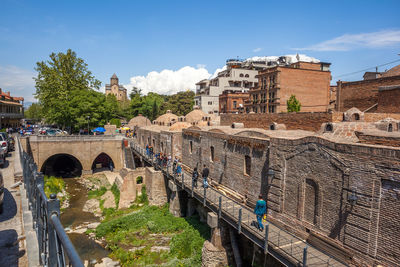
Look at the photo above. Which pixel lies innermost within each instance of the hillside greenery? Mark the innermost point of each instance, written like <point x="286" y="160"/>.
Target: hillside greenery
<point x="68" y="96"/>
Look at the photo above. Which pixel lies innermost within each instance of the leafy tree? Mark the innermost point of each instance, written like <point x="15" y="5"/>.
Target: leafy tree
<point x="293" y="105"/>
<point x="180" y="103"/>
<point x="33" y="112"/>
<point x="59" y="82"/>
<point x="116" y="122"/>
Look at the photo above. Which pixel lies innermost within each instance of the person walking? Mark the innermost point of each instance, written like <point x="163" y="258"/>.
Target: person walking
<point x="205" y="174"/>
<point x="147" y="150"/>
<point x="179" y="169"/>
<point x="260" y="210"/>
<point x="195" y="176"/>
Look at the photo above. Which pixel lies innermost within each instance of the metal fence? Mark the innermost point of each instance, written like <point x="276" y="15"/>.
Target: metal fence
<point x="281" y="244"/>
<point x="55" y="248"/>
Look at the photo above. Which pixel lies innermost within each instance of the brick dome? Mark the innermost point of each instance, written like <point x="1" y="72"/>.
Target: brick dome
<point x="195" y="116"/>
<point x="166" y="119"/>
<point x="140" y="121"/>
<point x="178" y="126"/>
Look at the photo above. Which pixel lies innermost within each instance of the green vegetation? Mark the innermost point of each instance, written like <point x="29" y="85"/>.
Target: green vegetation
<point x="293" y="105"/>
<point x="97" y="193"/>
<point x="54" y="185"/>
<point x="142" y="199"/>
<point x="67" y="95"/>
<point x="139" y="180"/>
<point x="116" y="193"/>
<point x="142" y="229"/>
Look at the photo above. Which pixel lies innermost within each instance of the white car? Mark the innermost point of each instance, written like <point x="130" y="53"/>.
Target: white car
<point x="3" y="151"/>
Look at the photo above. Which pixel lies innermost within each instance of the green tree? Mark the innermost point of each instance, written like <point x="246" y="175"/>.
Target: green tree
<point x="180" y="103"/>
<point x="33" y="112"/>
<point x="293" y="105"/>
<point x="59" y="82"/>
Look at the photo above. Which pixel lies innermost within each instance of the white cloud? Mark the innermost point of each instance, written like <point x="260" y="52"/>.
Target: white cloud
<point x="348" y="42"/>
<point x="18" y="81"/>
<point x="258" y="49"/>
<point x="169" y="81"/>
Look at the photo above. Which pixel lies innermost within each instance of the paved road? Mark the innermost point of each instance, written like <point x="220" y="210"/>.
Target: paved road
<point x="12" y="253"/>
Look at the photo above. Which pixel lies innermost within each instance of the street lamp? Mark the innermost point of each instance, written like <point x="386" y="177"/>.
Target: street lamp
<point x="88" y="120"/>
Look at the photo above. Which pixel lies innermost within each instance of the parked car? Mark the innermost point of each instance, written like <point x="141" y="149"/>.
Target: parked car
<point x="1" y="192"/>
<point x="3" y="146"/>
<point x="10" y="141"/>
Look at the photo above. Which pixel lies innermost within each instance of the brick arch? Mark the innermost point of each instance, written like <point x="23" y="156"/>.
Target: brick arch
<point x="45" y="157"/>
<point x="52" y="163"/>
<point x="100" y="154"/>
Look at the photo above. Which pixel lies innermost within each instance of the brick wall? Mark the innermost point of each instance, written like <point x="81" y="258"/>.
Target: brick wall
<point x="389" y="101"/>
<point x="388" y="140"/>
<point x="361" y="94"/>
<point x="310" y="87"/>
<point x="292" y="121"/>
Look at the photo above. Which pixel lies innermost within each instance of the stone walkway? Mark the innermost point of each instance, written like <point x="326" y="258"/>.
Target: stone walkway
<point x="12" y="252"/>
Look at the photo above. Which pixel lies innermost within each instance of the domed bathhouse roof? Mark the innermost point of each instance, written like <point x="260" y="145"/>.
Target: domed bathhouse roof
<point x="178" y="126"/>
<point x="140" y="121"/>
<point x="195" y="116"/>
<point x="167" y="119"/>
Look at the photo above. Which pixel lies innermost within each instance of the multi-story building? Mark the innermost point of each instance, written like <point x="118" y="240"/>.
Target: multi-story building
<point x="116" y="89"/>
<point x="308" y="81"/>
<point x="237" y="76"/>
<point x="11" y="110"/>
<point x="232" y="101"/>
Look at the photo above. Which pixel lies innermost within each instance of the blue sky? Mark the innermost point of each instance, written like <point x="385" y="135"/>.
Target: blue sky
<point x="135" y="38"/>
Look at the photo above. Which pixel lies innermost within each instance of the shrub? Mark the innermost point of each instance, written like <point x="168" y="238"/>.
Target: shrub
<point x="53" y="185"/>
<point x="142" y="199"/>
<point x="139" y="180"/>
<point x="116" y="193"/>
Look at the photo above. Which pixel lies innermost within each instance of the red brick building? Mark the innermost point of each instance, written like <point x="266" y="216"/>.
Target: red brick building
<point x="364" y="94"/>
<point x="389" y="99"/>
<point x="309" y="82"/>
<point x="232" y="101"/>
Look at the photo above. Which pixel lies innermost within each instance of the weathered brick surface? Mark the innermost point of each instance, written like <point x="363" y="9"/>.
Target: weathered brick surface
<point x="361" y="94"/>
<point x="292" y="121"/>
<point x="389" y="100"/>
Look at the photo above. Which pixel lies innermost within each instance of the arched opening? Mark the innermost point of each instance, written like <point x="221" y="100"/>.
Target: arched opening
<point x="356" y="117"/>
<point x="62" y="165"/>
<point x="390" y="127"/>
<point x="311" y="202"/>
<point x="102" y="161"/>
<point x="211" y="153"/>
<point x="272" y="127"/>
<point x="328" y="127"/>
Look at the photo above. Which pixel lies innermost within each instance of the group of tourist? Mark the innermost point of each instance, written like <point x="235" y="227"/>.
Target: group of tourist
<point x="130" y="133"/>
<point x="162" y="160"/>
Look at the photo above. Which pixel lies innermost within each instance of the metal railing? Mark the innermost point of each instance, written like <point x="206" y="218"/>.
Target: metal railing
<point x="75" y="137"/>
<point x="52" y="239"/>
<point x="281" y="244"/>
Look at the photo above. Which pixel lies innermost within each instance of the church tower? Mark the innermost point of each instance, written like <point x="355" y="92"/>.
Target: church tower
<point x="116" y="89"/>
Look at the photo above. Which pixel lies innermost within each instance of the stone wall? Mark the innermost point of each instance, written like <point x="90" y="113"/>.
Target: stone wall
<point x="155" y="187"/>
<point x="361" y="94"/>
<point x="312" y="184"/>
<point x="227" y="167"/>
<point x="381" y="139"/>
<point x="292" y="121"/>
<point x="129" y="188"/>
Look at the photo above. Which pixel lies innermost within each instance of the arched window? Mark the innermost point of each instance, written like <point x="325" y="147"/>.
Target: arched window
<point x="191" y="147"/>
<point x="241" y="75"/>
<point x="272" y="127"/>
<point x="247" y="165"/>
<point x="211" y="153"/>
<point x="247" y="76"/>
<point x="311" y="204"/>
<point x="390" y="127"/>
<point x="328" y="127"/>
<point x="356" y="116"/>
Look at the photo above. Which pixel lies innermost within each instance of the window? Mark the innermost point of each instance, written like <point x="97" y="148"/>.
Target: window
<point x="191" y="147"/>
<point x="356" y="116"/>
<point x="154" y="142"/>
<point x="241" y="75"/>
<point x="247" y="165"/>
<point x="211" y="153"/>
<point x="328" y="128"/>
<point x="210" y="103"/>
<point x="390" y="127"/>
<point x="234" y="104"/>
<point x="162" y="146"/>
<point x="247" y="76"/>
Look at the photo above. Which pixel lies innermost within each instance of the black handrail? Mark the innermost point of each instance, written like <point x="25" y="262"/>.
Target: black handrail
<point x="52" y="239"/>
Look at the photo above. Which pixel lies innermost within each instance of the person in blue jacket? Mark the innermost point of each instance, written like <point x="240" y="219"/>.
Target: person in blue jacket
<point x="260" y="210"/>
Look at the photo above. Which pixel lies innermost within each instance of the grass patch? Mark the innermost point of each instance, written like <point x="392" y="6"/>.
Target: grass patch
<point x="97" y="193"/>
<point x="116" y="193"/>
<point x="142" y="199"/>
<point x="143" y="228"/>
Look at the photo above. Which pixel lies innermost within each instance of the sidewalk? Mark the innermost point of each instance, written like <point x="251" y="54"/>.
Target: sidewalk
<point x="12" y="252"/>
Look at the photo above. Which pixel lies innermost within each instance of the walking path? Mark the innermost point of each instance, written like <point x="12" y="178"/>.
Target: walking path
<point x="12" y="250"/>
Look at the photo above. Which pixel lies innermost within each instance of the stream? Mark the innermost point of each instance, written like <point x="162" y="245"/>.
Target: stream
<point x="73" y="216"/>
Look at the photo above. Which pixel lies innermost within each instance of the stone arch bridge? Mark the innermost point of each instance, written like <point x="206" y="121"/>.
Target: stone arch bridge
<point x="81" y="151"/>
